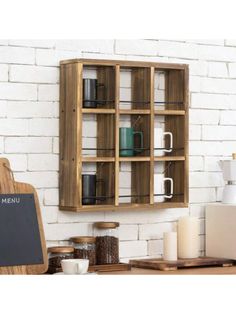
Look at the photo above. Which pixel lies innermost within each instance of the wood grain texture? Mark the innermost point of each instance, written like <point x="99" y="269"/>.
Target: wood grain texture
<point x="123" y="206"/>
<point x="9" y="186"/>
<point x="91" y="62"/>
<point x="108" y="116"/>
<point x="140" y="96"/>
<point x="182" y="271"/>
<point x="117" y="136"/>
<point x="159" y="264"/>
<point x="152" y="118"/>
<point x="175" y="91"/>
<point x="70" y="134"/>
<point x="110" y="267"/>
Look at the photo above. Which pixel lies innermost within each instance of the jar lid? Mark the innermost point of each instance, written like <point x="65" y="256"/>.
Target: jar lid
<point x="106" y="224"/>
<point x="83" y="239"/>
<point x="61" y="249"/>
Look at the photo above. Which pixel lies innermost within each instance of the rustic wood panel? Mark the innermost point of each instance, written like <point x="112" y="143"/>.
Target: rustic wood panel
<point x="160" y="264"/>
<point x="106" y="188"/>
<point x="100" y="62"/>
<point x="174" y="92"/>
<point x="110" y="267"/>
<point x="106" y="77"/>
<point x="70" y="134"/>
<point x="140" y="95"/>
<point x="9" y="186"/>
<point x="117" y="139"/>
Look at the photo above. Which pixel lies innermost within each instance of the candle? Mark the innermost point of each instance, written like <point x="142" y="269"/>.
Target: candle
<point x="188" y="237"/>
<point x="170" y="246"/>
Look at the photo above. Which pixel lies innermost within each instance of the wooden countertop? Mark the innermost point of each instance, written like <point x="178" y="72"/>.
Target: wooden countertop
<point x="190" y="271"/>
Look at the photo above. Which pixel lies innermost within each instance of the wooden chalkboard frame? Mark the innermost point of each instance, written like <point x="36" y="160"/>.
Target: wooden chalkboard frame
<point x="9" y="186"/>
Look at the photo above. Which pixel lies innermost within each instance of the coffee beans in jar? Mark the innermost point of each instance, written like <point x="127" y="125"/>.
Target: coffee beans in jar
<point x="56" y="254"/>
<point x="85" y="248"/>
<point x="107" y="242"/>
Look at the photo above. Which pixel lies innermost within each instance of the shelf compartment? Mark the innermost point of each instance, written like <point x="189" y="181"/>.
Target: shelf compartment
<point x="134" y="182"/>
<point x="105" y="175"/>
<point x="101" y="140"/>
<point x="175" y="125"/>
<point x="140" y="123"/>
<point x="169" y="90"/>
<point x="135" y="88"/>
<point x="105" y="76"/>
<point x="174" y="170"/>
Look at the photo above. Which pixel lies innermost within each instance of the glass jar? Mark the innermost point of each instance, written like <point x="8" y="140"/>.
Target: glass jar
<point x="107" y="242"/>
<point x="56" y="254"/>
<point x="85" y="248"/>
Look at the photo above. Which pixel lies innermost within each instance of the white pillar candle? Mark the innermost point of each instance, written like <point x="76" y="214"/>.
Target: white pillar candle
<point x="188" y="237"/>
<point x="170" y="246"/>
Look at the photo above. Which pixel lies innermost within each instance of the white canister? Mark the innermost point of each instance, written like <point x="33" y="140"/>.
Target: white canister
<point x="159" y="187"/>
<point x="170" y="246"/>
<point x="159" y="145"/>
<point x="188" y="237"/>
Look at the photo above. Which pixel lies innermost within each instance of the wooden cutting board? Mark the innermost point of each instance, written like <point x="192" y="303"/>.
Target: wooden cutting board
<point x="160" y="264"/>
<point x="30" y="217"/>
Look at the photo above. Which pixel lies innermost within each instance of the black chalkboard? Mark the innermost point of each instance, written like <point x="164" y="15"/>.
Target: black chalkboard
<point x="19" y="231"/>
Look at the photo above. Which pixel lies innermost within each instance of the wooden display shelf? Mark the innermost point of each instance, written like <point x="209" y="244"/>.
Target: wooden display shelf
<point x="109" y="116"/>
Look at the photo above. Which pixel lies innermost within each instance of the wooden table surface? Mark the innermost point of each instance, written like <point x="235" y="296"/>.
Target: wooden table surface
<point x="190" y="271"/>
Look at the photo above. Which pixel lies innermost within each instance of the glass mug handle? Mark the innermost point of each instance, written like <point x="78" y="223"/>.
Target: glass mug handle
<point x="171" y="142"/>
<point x="171" y="187"/>
<point x="140" y="133"/>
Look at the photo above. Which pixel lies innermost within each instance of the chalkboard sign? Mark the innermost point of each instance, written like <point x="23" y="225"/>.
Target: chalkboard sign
<point x="20" y="242"/>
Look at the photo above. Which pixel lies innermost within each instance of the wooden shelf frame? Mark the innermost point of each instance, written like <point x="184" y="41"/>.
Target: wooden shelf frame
<point x="108" y="121"/>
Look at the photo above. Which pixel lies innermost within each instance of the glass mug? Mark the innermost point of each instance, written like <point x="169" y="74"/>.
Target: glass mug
<point x="159" y="136"/>
<point x="89" y="188"/>
<point x="159" y="187"/>
<point x="90" y="91"/>
<point x="126" y="139"/>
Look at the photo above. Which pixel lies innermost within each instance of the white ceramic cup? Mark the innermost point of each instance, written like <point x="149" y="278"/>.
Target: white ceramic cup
<point x="159" y="187"/>
<point x="159" y="136"/>
<point x="74" y="266"/>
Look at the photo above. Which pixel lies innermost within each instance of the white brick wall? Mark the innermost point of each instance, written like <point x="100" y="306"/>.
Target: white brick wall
<point x="29" y="110"/>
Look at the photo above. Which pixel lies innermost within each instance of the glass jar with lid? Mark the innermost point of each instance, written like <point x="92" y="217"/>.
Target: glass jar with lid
<point x="107" y="242"/>
<point x="85" y="248"/>
<point x="56" y="254"/>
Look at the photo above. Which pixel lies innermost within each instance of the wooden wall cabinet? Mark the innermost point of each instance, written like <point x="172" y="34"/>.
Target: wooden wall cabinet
<point x="144" y="94"/>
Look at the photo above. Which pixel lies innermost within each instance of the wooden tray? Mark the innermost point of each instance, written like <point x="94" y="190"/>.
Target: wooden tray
<point x="110" y="267"/>
<point x="160" y="264"/>
<point x="96" y="268"/>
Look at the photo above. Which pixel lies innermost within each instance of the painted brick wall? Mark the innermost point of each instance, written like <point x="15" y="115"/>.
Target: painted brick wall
<point x="29" y="94"/>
